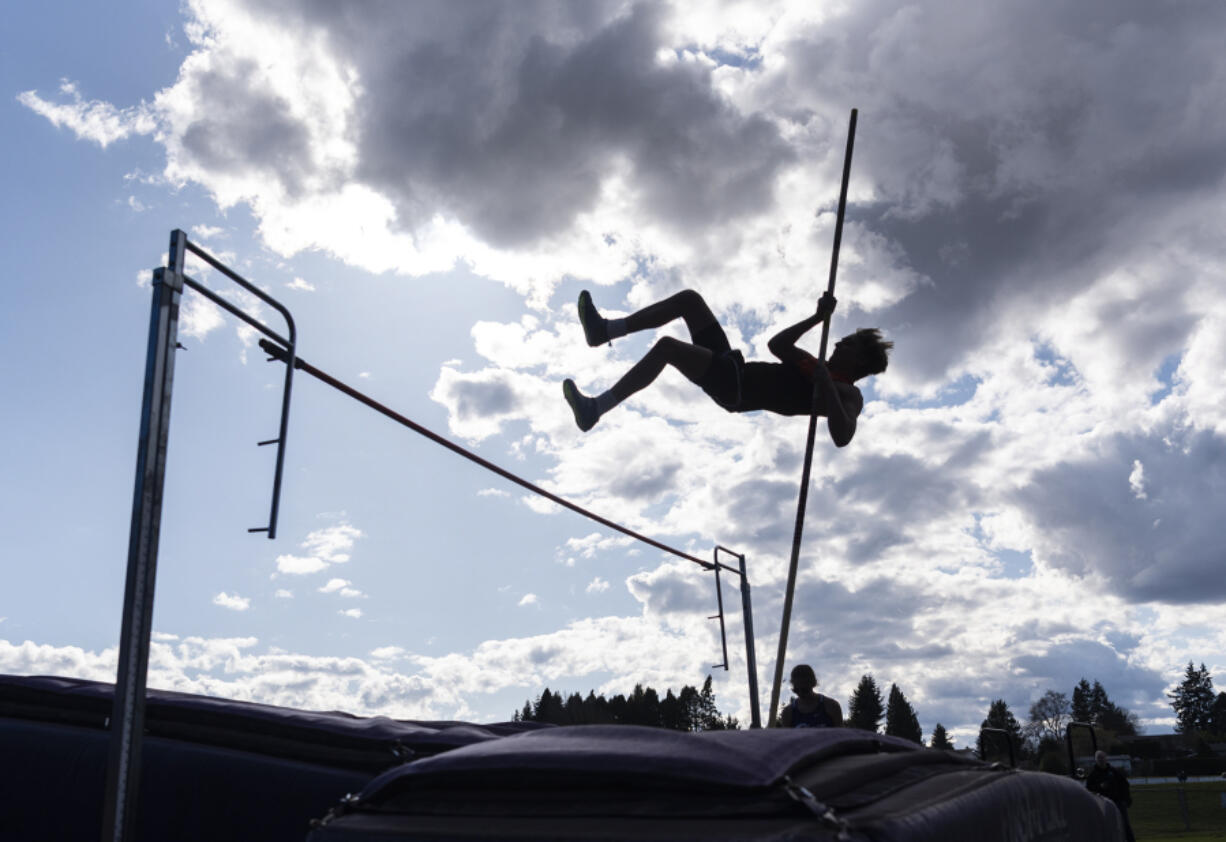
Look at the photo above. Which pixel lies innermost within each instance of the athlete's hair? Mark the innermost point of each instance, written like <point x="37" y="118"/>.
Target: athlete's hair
<point x="874" y="349"/>
<point x="805" y="672"/>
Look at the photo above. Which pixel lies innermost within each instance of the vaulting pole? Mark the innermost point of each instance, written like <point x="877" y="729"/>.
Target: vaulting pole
<point x="804" y="479"/>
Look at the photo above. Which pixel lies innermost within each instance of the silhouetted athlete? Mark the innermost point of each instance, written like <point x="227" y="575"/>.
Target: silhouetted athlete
<point x="809" y="709"/>
<point x="785" y="387"/>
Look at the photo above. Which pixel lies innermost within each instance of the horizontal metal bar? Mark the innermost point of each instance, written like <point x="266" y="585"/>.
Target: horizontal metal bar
<point x="221" y="302"/>
<point x="279" y="354"/>
<point x="243" y="282"/>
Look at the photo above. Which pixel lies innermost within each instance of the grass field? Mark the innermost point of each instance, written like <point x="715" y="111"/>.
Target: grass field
<point x="1156" y="815"/>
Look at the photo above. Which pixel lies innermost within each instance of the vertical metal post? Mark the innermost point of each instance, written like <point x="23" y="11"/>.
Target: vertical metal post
<point x="751" y="660"/>
<point x="723" y="632"/>
<point x="128" y="712"/>
<point x="1068" y="741"/>
<point x="983" y="744"/>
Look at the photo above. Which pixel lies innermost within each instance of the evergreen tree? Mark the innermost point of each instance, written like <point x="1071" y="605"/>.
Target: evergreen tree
<point x="670" y="713"/>
<point x="688" y="710"/>
<point x="1217" y="716"/>
<point x="900" y="718"/>
<point x="1193" y="700"/>
<point x="1092" y="705"/>
<point x="865" y="707"/>
<point x="1099" y="703"/>
<point x="689" y="702"/>
<point x="1081" y="703"/>
<point x="549" y="709"/>
<point x="940" y="740"/>
<point x="999" y="716"/>
<point x="597" y="708"/>
<point x="574" y="709"/>
<point x="1119" y="721"/>
<point x="708" y="714"/>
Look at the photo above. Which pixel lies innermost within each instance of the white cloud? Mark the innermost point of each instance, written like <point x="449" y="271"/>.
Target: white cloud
<point x="597" y="585"/>
<point x="96" y="121"/>
<point x="355" y="613"/>
<point x="493" y="492"/>
<point x="384" y="653"/>
<point x="298" y="565"/>
<point x="233" y="602"/>
<point x="1136" y="480"/>
<point x="300" y="284"/>
<point x="327" y="546"/>
<point x="594" y="542"/>
<point x="529" y="599"/>
<point x="207" y="232"/>
<point x="340" y="586"/>
<point x="332" y="544"/>
<point x="283" y="593"/>
<point x="198" y="317"/>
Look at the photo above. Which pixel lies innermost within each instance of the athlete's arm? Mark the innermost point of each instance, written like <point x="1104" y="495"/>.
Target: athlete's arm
<point x="783" y="343"/>
<point x="841" y="419"/>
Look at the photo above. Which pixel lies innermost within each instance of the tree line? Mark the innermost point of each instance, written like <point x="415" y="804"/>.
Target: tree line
<point x="690" y="709"/>
<point x="1041" y="737"/>
<point x="1199" y="713"/>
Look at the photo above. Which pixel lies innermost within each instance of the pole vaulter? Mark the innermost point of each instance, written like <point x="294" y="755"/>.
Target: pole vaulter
<point x="804" y="479"/>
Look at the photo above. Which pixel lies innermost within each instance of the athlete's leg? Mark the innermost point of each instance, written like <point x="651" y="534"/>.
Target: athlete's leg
<point x="691" y="360"/>
<point x="687" y="304"/>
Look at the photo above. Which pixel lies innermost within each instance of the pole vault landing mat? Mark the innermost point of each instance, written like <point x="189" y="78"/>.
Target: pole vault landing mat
<point x="211" y="769"/>
<point x="627" y="782"/>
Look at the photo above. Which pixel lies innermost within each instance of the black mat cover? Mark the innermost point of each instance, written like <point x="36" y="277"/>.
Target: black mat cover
<point x="212" y="769"/>
<point x="626" y="782"/>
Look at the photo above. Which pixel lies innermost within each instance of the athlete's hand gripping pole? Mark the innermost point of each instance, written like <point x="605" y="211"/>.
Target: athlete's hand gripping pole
<point x="804" y="480"/>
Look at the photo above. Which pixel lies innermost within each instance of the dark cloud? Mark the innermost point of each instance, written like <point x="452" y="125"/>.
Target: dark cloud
<point x="878" y="617"/>
<point x="1064" y="664"/>
<point x="1164" y="546"/>
<point x="760" y="512"/>
<point x="1016" y="156"/>
<point x="643" y="482"/>
<point x="480" y="399"/>
<point x="675" y="589"/>
<point x="245" y="129"/>
<point x="511" y="116"/>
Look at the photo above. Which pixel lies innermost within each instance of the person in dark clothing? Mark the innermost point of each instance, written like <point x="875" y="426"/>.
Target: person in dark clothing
<point x="785" y="387"/>
<point x="809" y="709"/>
<point x="1110" y="782"/>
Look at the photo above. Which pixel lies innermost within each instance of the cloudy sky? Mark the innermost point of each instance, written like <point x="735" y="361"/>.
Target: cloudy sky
<point x="1035" y="491"/>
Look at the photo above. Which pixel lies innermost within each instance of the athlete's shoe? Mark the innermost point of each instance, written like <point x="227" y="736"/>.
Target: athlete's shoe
<point x="595" y="328"/>
<point x="586" y="414"/>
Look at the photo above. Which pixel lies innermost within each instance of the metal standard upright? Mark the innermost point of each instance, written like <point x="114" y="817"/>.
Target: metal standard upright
<point x="751" y="658"/>
<point x="128" y="713"/>
<point x="128" y="710"/>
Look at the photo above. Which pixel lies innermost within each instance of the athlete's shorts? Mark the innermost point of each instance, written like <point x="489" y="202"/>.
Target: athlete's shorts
<point x="722" y="381"/>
